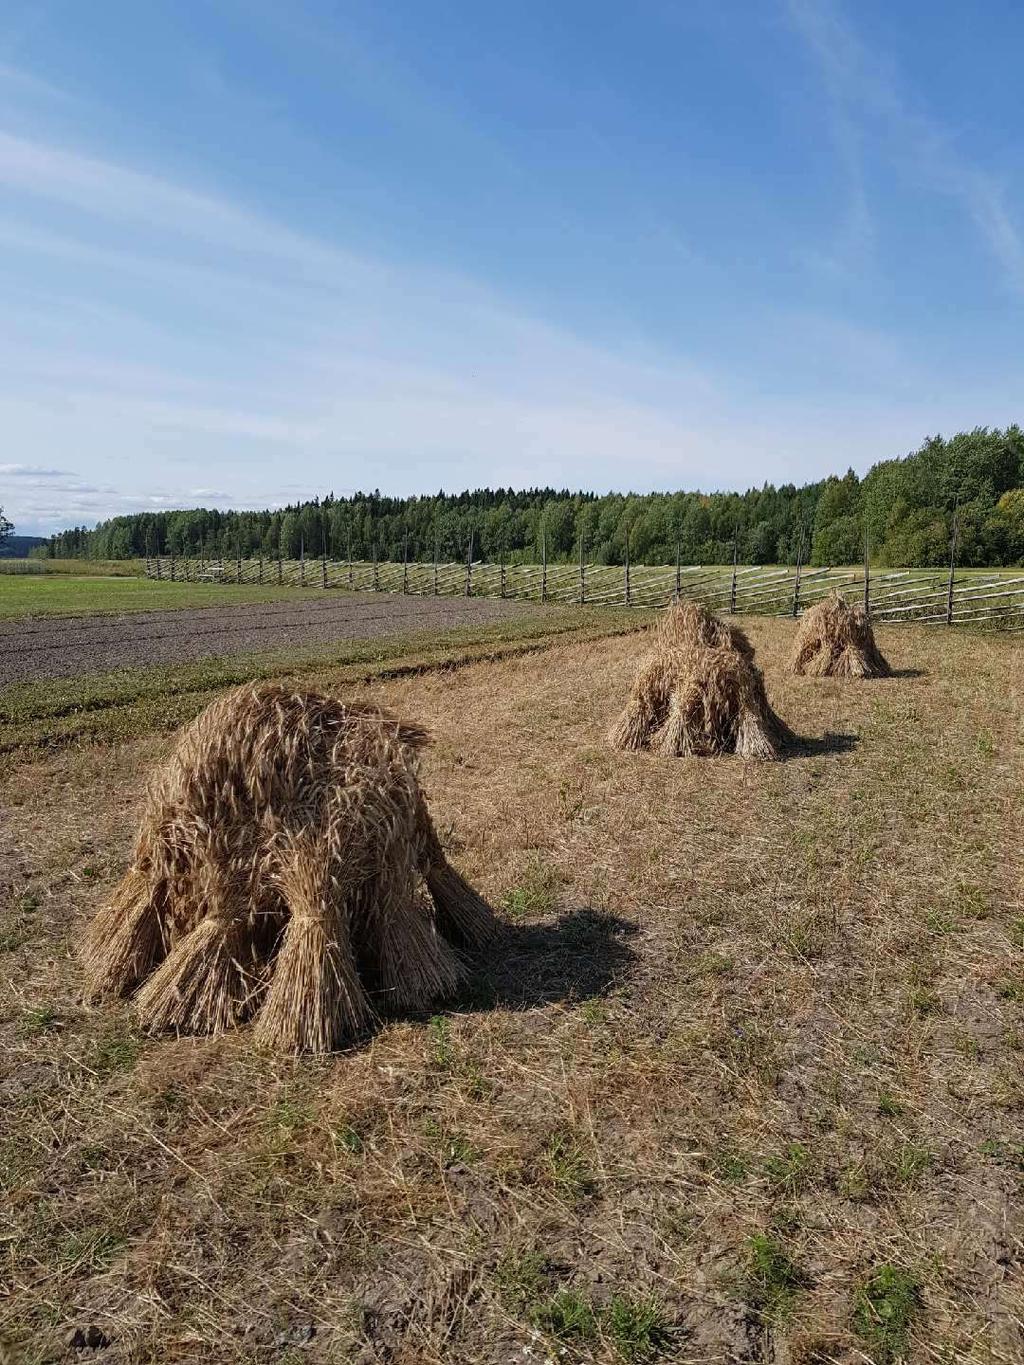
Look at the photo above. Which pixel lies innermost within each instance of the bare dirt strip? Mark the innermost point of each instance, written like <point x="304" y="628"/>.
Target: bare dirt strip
<point x="62" y="647"/>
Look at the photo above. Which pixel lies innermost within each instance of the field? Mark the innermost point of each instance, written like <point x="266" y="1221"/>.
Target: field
<point x="743" y="1083"/>
<point x="23" y="595"/>
<point x="70" y="646"/>
<point x="75" y="568"/>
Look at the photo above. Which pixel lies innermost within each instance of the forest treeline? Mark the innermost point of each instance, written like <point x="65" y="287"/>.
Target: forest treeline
<point x="905" y="509"/>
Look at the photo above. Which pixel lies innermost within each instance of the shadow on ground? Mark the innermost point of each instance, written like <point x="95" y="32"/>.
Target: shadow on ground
<point x="813" y="746"/>
<point x="582" y="954"/>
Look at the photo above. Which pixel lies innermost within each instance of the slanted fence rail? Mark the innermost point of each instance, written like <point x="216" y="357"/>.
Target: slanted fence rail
<point x="976" y="597"/>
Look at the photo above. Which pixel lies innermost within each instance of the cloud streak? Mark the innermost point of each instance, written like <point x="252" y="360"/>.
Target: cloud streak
<point x="867" y="98"/>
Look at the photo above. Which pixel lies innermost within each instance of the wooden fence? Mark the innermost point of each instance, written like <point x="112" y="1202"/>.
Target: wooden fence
<point x="977" y="597"/>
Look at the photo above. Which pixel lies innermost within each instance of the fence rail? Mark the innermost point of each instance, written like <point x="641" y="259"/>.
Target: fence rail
<point x="976" y="597"/>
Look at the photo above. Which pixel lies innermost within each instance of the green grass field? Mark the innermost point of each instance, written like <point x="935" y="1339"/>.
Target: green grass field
<point x="57" y="595"/>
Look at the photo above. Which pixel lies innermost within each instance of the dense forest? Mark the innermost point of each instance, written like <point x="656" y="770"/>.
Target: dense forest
<point x="904" y="509"/>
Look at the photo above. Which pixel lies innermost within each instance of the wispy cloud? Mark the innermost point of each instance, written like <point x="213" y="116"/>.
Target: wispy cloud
<point x="32" y="471"/>
<point x="868" y="98"/>
<point x="15" y="81"/>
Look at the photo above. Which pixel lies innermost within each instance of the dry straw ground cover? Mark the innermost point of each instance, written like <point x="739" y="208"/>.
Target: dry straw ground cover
<point x="743" y="1084"/>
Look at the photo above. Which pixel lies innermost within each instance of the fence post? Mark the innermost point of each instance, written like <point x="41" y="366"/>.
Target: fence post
<point x="405" y="563"/>
<point x="469" y="565"/>
<point x="280" y="567"/>
<point x="627" y="591"/>
<point x="302" y="561"/>
<point x="172" y="567"/>
<point x="732" y="587"/>
<point x="952" y="563"/>
<point x="583" y="575"/>
<point x="799" y="566"/>
<point x="376" y="576"/>
<point x="436" y="551"/>
<point x="679" y="581"/>
<point x="867" y="578"/>
<point x="502" y="571"/>
<point x="543" y="567"/>
<point x="323" y="557"/>
<point x="158" y="573"/>
<point x="238" y="561"/>
<point x="349" y="548"/>
<point x="261" y="566"/>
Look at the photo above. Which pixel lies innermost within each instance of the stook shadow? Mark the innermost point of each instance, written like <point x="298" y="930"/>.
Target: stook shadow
<point x="816" y="746"/>
<point x="583" y="954"/>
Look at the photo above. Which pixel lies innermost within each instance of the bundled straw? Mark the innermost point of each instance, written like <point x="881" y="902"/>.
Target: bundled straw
<point x="278" y="874"/>
<point x="700" y="701"/>
<point x="699" y="693"/>
<point x="836" y="640"/>
<point x="686" y="623"/>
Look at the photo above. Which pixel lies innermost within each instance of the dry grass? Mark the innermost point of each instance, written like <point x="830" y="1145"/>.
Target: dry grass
<point x="835" y="640"/>
<point x="744" y="1085"/>
<point x="280" y="873"/>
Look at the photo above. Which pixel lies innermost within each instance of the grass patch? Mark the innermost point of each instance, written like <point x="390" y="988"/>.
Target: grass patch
<point x="567" y="1315"/>
<point x="636" y="1327"/>
<point x="522" y="1278"/>
<point x="773" y="1279"/>
<point x="39" y="1019"/>
<point x="884" y="1311"/>
<point x="788" y="1172"/>
<point x="537" y="891"/>
<point x="568" y="1166"/>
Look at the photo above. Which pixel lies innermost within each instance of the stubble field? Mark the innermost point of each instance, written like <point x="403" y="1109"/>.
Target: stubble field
<point x="742" y="1083"/>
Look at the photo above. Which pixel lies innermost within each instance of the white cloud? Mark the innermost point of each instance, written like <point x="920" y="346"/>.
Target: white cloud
<point x="31" y="471"/>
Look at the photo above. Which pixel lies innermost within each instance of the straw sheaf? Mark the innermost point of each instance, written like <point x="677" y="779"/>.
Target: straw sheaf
<point x="700" y="693"/>
<point x="286" y="868"/>
<point x="685" y="623"/>
<point x="835" y="640"/>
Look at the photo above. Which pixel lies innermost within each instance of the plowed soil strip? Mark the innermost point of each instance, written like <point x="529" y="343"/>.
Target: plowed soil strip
<point x="61" y="647"/>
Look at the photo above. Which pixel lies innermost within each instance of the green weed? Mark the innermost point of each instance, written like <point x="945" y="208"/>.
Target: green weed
<point x="567" y="1315"/>
<point x="521" y="1278"/>
<point x="568" y="1166"/>
<point x="884" y="1310"/>
<point x="773" y="1279"/>
<point x="787" y="1172"/>
<point x="637" y="1327"/>
<point x="537" y="892"/>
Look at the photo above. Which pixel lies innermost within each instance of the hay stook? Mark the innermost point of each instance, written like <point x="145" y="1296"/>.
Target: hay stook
<point x="286" y="869"/>
<point x="699" y="693"/>
<point x="686" y="623"/>
<point x="835" y="640"/>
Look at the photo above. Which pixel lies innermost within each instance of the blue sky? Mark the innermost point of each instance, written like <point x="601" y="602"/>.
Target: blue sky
<point x="253" y="251"/>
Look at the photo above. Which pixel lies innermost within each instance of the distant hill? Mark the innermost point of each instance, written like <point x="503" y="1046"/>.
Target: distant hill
<point x="17" y="547"/>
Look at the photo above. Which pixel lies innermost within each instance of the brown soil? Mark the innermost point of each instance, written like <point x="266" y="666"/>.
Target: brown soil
<point x="65" y="646"/>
